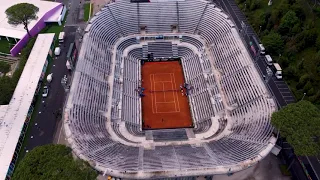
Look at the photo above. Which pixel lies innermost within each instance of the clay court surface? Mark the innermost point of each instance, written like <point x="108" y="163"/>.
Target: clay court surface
<point x="163" y="105"/>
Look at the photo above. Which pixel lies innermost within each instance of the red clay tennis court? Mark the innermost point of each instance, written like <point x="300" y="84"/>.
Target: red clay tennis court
<point x="164" y="106"/>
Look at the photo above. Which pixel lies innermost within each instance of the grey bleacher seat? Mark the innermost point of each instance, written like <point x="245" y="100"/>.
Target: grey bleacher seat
<point x="103" y="110"/>
<point x="160" y="49"/>
<point x="193" y="41"/>
<point x="158" y="18"/>
<point x="170" y="134"/>
<point x="136" y="53"/>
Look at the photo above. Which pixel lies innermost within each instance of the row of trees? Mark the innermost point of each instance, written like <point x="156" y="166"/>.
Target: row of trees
<point x="289" y="33"/>
<point x="8" y="84"/>
<point x="4" y="67"/>
<point x="299" y="123"/>
<point x="53" y="162"/>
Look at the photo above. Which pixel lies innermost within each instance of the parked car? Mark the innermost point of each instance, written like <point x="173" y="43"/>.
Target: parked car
<point x="62" y="35"/>
<point x="45" y="91"/>
<point x="49" y="77"/>
<point x="57" y="51"/>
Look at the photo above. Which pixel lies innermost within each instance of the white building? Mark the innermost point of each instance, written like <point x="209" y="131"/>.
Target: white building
<point x="15" y="117"/>
<point x="48" y="12"/>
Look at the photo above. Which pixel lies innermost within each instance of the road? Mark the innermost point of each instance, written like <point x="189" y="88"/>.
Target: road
<point x="44" y="129"/>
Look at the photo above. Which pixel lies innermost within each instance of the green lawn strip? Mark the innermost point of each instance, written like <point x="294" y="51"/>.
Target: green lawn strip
<point x="5" y="46"/>
<point x="54" y="28"/>
<point x="284" y="170"/>
<point x="86" y="11"/>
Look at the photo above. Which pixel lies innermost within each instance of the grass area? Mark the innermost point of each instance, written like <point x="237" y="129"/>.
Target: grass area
<point x="54" y="28"/>
<point x="87" y="11"/>
<point x="284" y="170"/>
<point x="5" y="45"/>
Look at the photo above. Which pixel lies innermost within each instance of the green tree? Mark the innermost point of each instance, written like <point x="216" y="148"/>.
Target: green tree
<point x="297" y="8"/>
<point x="8" y="85"/>
<point x="6" y="90"/>
<point x="318" y="43"/>
<point x="299" y="123"/>
<point x="317" y="11"/>
<point x="273" y="43"/>
<point x="287" y="22"/>
<point x="310" y="66"/>
<point x="22" y="13"/>
<point x="4" y="67"/>
<point x="259" y="20"/>
<point x="274" y="19"/>
<point x="310" y="37"/>
<point x="253" y="4"/>
<point x="52" y="162"/>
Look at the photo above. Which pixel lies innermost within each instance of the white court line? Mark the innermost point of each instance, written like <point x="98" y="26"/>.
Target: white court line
<point x="163" y="81"/>
<point x="155" y="96"/>
<point x="151" y="93"/>
<point x="167" y="112"/>
<point x="164" y="93"/>
<point x="165" y="102"/>
<point x="174" y="81"/>
<point x="163" y="73"/>
<point x="175" y="95"/>
<point x="174" y="98"/>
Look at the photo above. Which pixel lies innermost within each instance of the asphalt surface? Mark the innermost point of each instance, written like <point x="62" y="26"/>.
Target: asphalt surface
<point x="44" y="127"/>
<point x="278" y="88"/>
<point x="50" y="109"/>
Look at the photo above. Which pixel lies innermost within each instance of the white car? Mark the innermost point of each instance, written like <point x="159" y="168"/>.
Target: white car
<point x="57" y="51"/>
<point x="49" y="77"/>
<point x="45" y="91"/>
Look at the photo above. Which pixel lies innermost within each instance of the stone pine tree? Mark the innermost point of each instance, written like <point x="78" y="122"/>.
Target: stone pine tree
<point x="22" y="13"/>
<point x="299" y="123"/>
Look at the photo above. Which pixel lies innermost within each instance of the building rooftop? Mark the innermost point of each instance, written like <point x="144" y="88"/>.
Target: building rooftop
<point x="19" y="31"/>
<point x="13" y="115"/>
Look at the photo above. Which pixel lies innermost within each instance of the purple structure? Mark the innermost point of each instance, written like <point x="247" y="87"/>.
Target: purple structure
<point x="34" y="31"/>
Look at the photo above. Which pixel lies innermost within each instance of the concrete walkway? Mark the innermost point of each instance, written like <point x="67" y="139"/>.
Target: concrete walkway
<point x="267" y="169"/>
<point x="98" y="4"/>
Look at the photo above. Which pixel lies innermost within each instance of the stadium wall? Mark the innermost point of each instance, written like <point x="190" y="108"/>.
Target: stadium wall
<point x="222" y="170"/>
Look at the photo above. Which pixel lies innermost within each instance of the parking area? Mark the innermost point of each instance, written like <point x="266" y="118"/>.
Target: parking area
<point x="285" y="91"/>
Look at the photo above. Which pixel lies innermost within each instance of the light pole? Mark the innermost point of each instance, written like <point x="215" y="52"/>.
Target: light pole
<point x="259" y="30"/>
<point x="245" y="6"/>
<point x="304" y="94"/>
